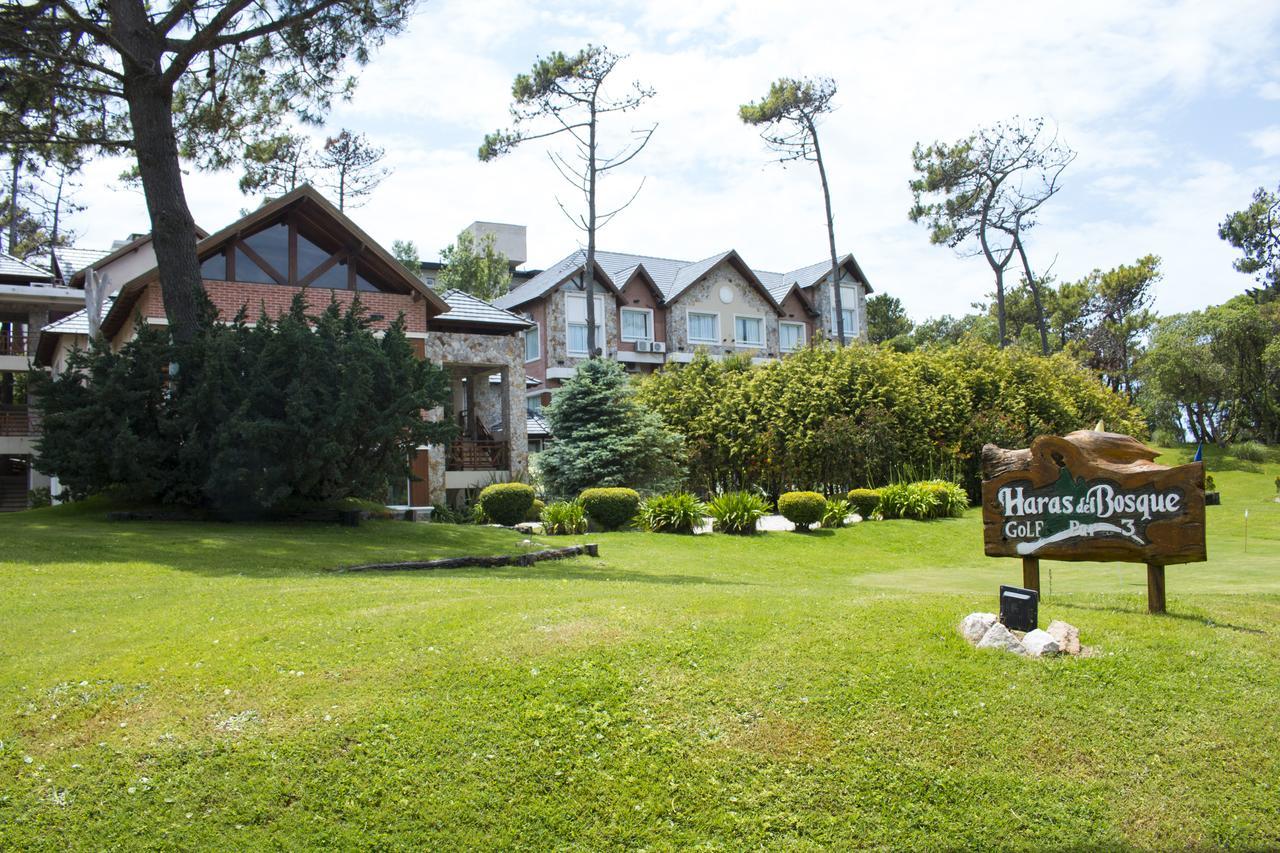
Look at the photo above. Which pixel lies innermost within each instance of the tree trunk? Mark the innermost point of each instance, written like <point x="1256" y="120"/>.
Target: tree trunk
<point x="589" y="274"/>
<point x="173" y="231"/>
<point x="16" y="162"/>
<point x="831" y="239"/>
<point x="1035" y="296"/>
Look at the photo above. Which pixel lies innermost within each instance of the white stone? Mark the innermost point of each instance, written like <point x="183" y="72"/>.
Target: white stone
<point x="975" y="625"/>
<point x="1067" y="635"/>
<point x="1040" y="644"/>
<point x="999" y="637"/>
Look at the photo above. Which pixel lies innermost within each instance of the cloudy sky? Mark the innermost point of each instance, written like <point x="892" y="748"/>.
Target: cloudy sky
<point x="1174" y="109"/>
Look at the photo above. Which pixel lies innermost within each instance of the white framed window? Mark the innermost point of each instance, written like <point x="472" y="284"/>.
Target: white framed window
<point x="849" y="306"/>
<point x="532" y="344"/>
<point x="790" y="336"/>
<point x="748" y="331"/>
<point x="704" y="328"/>
<point x="637" y="324"/>
<point x="575" y="316"/>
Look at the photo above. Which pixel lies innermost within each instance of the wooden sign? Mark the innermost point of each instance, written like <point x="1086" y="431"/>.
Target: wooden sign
<point x="1092" y="495"/>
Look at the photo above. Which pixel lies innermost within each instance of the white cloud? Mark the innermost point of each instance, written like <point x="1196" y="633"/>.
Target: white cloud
<point x="1123" y="82"/>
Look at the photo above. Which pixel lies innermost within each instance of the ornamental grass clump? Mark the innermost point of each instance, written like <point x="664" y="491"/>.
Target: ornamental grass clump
<point x="506" y="503"/>
<point x="864" y="501"/>
<point x="802" y="509"/>
<point x="737" y="512"/>
<point x="923" y="501"/>
<point x="564" y="518"/>
<point x="677" y="512"/>
<point x="836" y="513"/>
<point x="611" y="508"/>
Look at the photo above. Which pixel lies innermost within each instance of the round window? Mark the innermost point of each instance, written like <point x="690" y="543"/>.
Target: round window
<point x="726" y="294"/>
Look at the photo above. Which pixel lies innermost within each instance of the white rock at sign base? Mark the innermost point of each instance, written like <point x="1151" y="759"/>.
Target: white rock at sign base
<point x="974" y="626"/>
<point x="998" y="637"/>
<point x="1067" y="635"/>
<point x="1040" y="644"/>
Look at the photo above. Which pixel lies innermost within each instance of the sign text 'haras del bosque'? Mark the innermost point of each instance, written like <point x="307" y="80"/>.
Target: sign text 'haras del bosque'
<point x="1092" y="495"/>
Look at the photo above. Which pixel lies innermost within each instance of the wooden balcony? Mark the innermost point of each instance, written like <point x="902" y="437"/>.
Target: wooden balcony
<point x="18" y="422"/>
<point x="466" y="454"/>
<point x="13" y="344"/>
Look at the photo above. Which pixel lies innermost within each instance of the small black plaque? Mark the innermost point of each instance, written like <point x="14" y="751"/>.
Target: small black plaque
<point x="1019" y="608"/>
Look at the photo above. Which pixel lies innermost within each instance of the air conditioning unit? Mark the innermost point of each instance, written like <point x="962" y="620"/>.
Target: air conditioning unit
<point x="643" y="346"/>
<point x="657" y="346"/>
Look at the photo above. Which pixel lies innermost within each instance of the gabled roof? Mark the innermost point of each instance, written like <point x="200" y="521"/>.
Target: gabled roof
<point x="783" y="292"/>
<point x="468" y="310"/>
<point x="12" y="269"/>
<point x="71" y="259"/>
<point x="77" y="280"/>
<point x="671" y="277"/>
<point x="318" y="207"/>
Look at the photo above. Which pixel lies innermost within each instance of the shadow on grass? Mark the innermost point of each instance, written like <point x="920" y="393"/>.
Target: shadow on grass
<point x="1207" y="621"/>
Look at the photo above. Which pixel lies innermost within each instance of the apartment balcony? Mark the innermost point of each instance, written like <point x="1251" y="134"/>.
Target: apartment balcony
<point x="467" y="454"/>
<point x="18" y="422"/>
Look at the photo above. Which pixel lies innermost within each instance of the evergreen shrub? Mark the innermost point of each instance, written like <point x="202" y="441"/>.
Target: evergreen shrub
<point x="864" y="501"/>
<point x="535" y="511"/>
<point x="611" y="508"/>
<point x="506" y="503"/>
<point x="802" y="508"/>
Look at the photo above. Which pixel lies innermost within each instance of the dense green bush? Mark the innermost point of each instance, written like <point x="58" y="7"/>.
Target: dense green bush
<point x="836" y="513"/>
<point x="923" y="501"/>
<point x="506" y="503"/>
<point x="830" y="418"/>
<point x="605" y="437"/>
<point x="564" y="518"/>
<point x="308" y="407"/>
<point x="535" y="511"/>
<point x="1211" y="486"/>
<point x="677" y="512"/>
<point x="1250" y="451"/>
<point x="802" y="508"/>
<point x="737" y="512"/>
<point x="864" y="501"/>
<point x="610" y="508"/>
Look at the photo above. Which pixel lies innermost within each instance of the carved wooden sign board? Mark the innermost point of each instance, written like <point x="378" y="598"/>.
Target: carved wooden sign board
<point x="1092" y="495"/>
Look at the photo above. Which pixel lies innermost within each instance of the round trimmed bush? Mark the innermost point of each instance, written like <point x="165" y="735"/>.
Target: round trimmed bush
<point x="802" y="508"/>
<point x="535" y="511"/>
<point x="864" y="501"/>
<point x="610" y="508"/>
<point x="506" y="503"/>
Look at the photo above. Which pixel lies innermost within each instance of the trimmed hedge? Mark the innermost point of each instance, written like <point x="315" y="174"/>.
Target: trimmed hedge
<point x="610" y="508"/>
<point x="535" y="511"/>
<point x="677" y="512"/>
<point x="864" y="501"/>
<point x="506" y="503"/>
<point x="802" y="508"/>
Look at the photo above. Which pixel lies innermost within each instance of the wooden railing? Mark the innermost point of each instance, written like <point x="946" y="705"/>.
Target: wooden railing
<point x="13" y="344"/>
<point x="466" y="454"/>
<point x="18" y="422"/>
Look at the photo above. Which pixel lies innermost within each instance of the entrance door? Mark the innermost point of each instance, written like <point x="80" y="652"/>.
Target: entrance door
<point x="420" y="486"/>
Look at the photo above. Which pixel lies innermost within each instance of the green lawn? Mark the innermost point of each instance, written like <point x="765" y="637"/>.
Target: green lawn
<point x="205" y="685"/>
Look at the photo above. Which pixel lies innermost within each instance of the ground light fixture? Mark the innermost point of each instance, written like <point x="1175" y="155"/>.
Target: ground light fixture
<point x="1019" y="608"/>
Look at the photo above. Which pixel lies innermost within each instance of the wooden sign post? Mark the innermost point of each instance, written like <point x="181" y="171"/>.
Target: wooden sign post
<point x="1092" y="495"/>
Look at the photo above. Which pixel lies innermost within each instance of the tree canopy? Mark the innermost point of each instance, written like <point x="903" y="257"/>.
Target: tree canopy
<point x="474" y="267"/>
<point x="1255" y="231"/>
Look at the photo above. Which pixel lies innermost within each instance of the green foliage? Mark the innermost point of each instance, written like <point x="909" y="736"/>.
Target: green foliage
<point x="276" y="165"/>
<point x="676" y="512"/>
<point x="864" y="501"/>
<point x="886" y="319"/>
<point x="737" y="512"/>
<point x="406" y="252"/>
<point x="922" y="501"/>
<point x="39" y="498"/>
<point x="506" y="503"/>
<point x="1255" y="231"/>
<point x="309" y="407"/>
<point x="605" y="437"/>
<point x="474" y="267"/>
<point x="833" y="418"/>
<point x="535" y="510"/>
<point x="611" y="508"/>
<point x="835" y="514"/>
<point x="802" y="508"/>
<point x="1250" y="451"/>
<point x="791" y="102"/>
<point x="564" y="518"/>
<point x="1209" y="484"/>
<point x="1278" y="485"/>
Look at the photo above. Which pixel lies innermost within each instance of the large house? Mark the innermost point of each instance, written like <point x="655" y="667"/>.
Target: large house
<point x="650" y="311"/>
<point x="302" y="243"/>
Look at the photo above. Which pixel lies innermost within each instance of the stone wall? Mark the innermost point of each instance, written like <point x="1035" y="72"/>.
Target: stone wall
<point x="557" y="333"/>
<point x="705" y="297"/>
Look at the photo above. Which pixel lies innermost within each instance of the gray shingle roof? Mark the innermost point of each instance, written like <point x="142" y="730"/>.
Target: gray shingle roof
<point x="77" y="323"/>
<point x="671" y="276"/>
<point x="536" y="426"/>
<point x="465" y="308"/>
<point x="11" y="267"/>
<point x="72" y="259"/>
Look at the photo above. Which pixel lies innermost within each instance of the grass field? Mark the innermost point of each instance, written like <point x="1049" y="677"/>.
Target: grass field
<point x="216" y="686"/>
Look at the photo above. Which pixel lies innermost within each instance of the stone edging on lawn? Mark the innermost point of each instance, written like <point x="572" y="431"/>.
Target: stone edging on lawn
<point x="590" y="549"/>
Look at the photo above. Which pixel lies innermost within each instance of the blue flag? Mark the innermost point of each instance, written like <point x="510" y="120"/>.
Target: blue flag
<point x="1199" y="453"/>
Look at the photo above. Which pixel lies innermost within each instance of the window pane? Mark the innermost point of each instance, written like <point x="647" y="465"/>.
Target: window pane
<point x="702" y="327"/>
<point x="273" y="245"/>
<point x="334" y="278"/>
<point x="635" y="324"/>
<point x="214" y="267"/>
<point x="531" y="344"/>
<point x="577" y="337"/>
<point x="363" y="284"/>
<point x="310" y="256"/>
<point x="747" y="330"/>
<point x="247" y="270"/>
<point x="850" y="322"/>
<point x="790" y="336"/>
